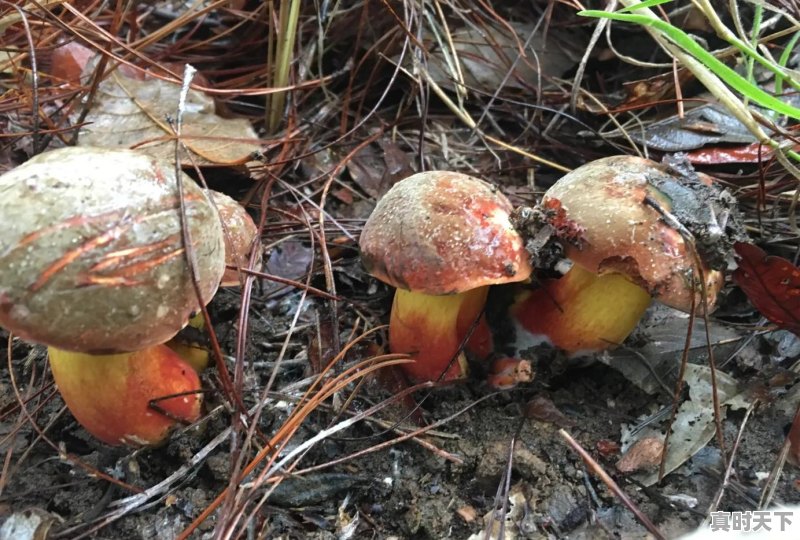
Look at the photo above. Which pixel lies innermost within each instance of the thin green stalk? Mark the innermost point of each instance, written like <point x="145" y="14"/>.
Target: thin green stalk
<point x="288" y="16"/>
<point x="783" y="60"/>
<point x="685" y="42"/>
<point x="757" y="16"/>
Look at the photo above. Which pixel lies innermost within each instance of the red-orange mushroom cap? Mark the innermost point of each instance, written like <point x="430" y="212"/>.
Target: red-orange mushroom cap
<point x="611" y="201"/>
<point x="624" y="222"/>
<point x="441" y="232"/>
<point x="442" y="238"/>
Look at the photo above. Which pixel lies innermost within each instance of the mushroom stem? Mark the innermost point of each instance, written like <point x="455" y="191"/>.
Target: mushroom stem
<point x="118" y="397"/>
<point x="581" y="312"/>
<point x="194" y="354"/>
<point x="431" y="328"/>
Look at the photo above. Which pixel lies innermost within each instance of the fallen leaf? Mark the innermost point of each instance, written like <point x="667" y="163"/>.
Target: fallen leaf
<point x="794" y="441"/>
<point x="134" y="109"/>
<point x="489" y="56"/>
<point x="375" y="172"/>
<point x="706" y="124"/>
<point x="607" y="448"/>
<point x="30" y="524"/>
<point x="544" y="410"/>
<point x="291" y="259"/>
<point x="651" y="358"/>
<point x="693" y="427"/>
<point x="643" y="455"/>
<point x="771" y="283"/>
<point x="720" y="155"/>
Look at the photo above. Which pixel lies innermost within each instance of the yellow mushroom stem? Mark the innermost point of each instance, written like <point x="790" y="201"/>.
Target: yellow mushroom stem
<point x="197" y="355"/>
<point x="118" y="398"/>
<point x="431" y="328"/>
<point x="582" y="312"/>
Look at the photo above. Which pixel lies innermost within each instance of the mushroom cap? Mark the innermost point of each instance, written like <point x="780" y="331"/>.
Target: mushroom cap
<point x="621" y="232"/>
<point x="240" y="232"/>
<point x="92" y="256"/>
<point x="441" y="232"/>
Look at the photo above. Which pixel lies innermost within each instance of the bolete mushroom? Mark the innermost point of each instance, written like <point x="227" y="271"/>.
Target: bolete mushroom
<point x="618" y="220"/>
<point x="240" y="233"/>
<point x="93" y="264"/>
<point x="441" y="238"/>
<point x="241" y="236"/>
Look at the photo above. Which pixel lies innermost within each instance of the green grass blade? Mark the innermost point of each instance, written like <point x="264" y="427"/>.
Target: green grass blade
<point x="684" y="41"/>
<point x="642" y="5"/>
<point x="783" y="60"/>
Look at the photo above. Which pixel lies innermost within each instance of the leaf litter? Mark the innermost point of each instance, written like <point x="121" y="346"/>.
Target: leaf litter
<point x="352" y="127"/>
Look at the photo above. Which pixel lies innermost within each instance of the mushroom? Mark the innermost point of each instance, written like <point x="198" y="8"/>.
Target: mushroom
<point x="618" y="220"/>
<point x="240" y="234"/>
<point x="441" y="238"/>
<point x="93" y="265"/>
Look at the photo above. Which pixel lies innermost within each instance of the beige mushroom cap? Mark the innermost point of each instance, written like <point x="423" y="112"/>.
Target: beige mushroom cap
<point x="620" y="232"/>
<point x="92" y="256"/>
<point x="441" y="232"/>
<point x="240" y="233"/>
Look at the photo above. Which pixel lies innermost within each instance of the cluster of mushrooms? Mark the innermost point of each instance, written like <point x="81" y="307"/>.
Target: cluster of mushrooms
<point x="622" y="230"/>
<point x="93" y="264"/>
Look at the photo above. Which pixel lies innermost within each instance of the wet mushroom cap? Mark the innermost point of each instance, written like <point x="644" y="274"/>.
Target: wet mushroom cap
<point x="92" y="256"/>
<point x="442" y="232"/>
<point x="240" y="233"/>
<point x="620" y="231"/>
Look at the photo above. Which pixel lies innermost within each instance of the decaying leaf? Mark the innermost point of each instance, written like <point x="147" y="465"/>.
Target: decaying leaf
<point x="693" y="427"/>
<point x="490" y="57"/>
<point x="30" y="524"/>
<point x="720" y="155"/>
<point x="651" y="358"/>
<point x="543" y="409"/>
<point x="643" y="455"/>
<point x="517" y="520"/>
<point x="135" y="109"/>
<point x="375" y="172"/>
<point x="771" y="283"/>
<point x="706" y="124"/>
<point x="128" y="113"/>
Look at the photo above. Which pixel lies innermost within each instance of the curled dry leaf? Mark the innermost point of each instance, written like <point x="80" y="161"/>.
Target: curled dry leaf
<point x="642" y="456"/>
<point x="131" y="110"/>
<point x="706" y="124"/>
<point x="544" y="410"/>
<point x="771" y="283"/>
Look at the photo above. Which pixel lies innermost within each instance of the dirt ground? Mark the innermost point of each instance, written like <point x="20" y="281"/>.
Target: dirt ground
<point x="407" y="490"/>
<point x="373" y="100"/>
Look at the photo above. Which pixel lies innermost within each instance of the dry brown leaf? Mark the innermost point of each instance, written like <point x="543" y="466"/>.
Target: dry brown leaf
<point x="132" y="113"/>
<point x="645" y="454"/>
<point x="490" y="56"/>
<point x="693" y="427"/>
